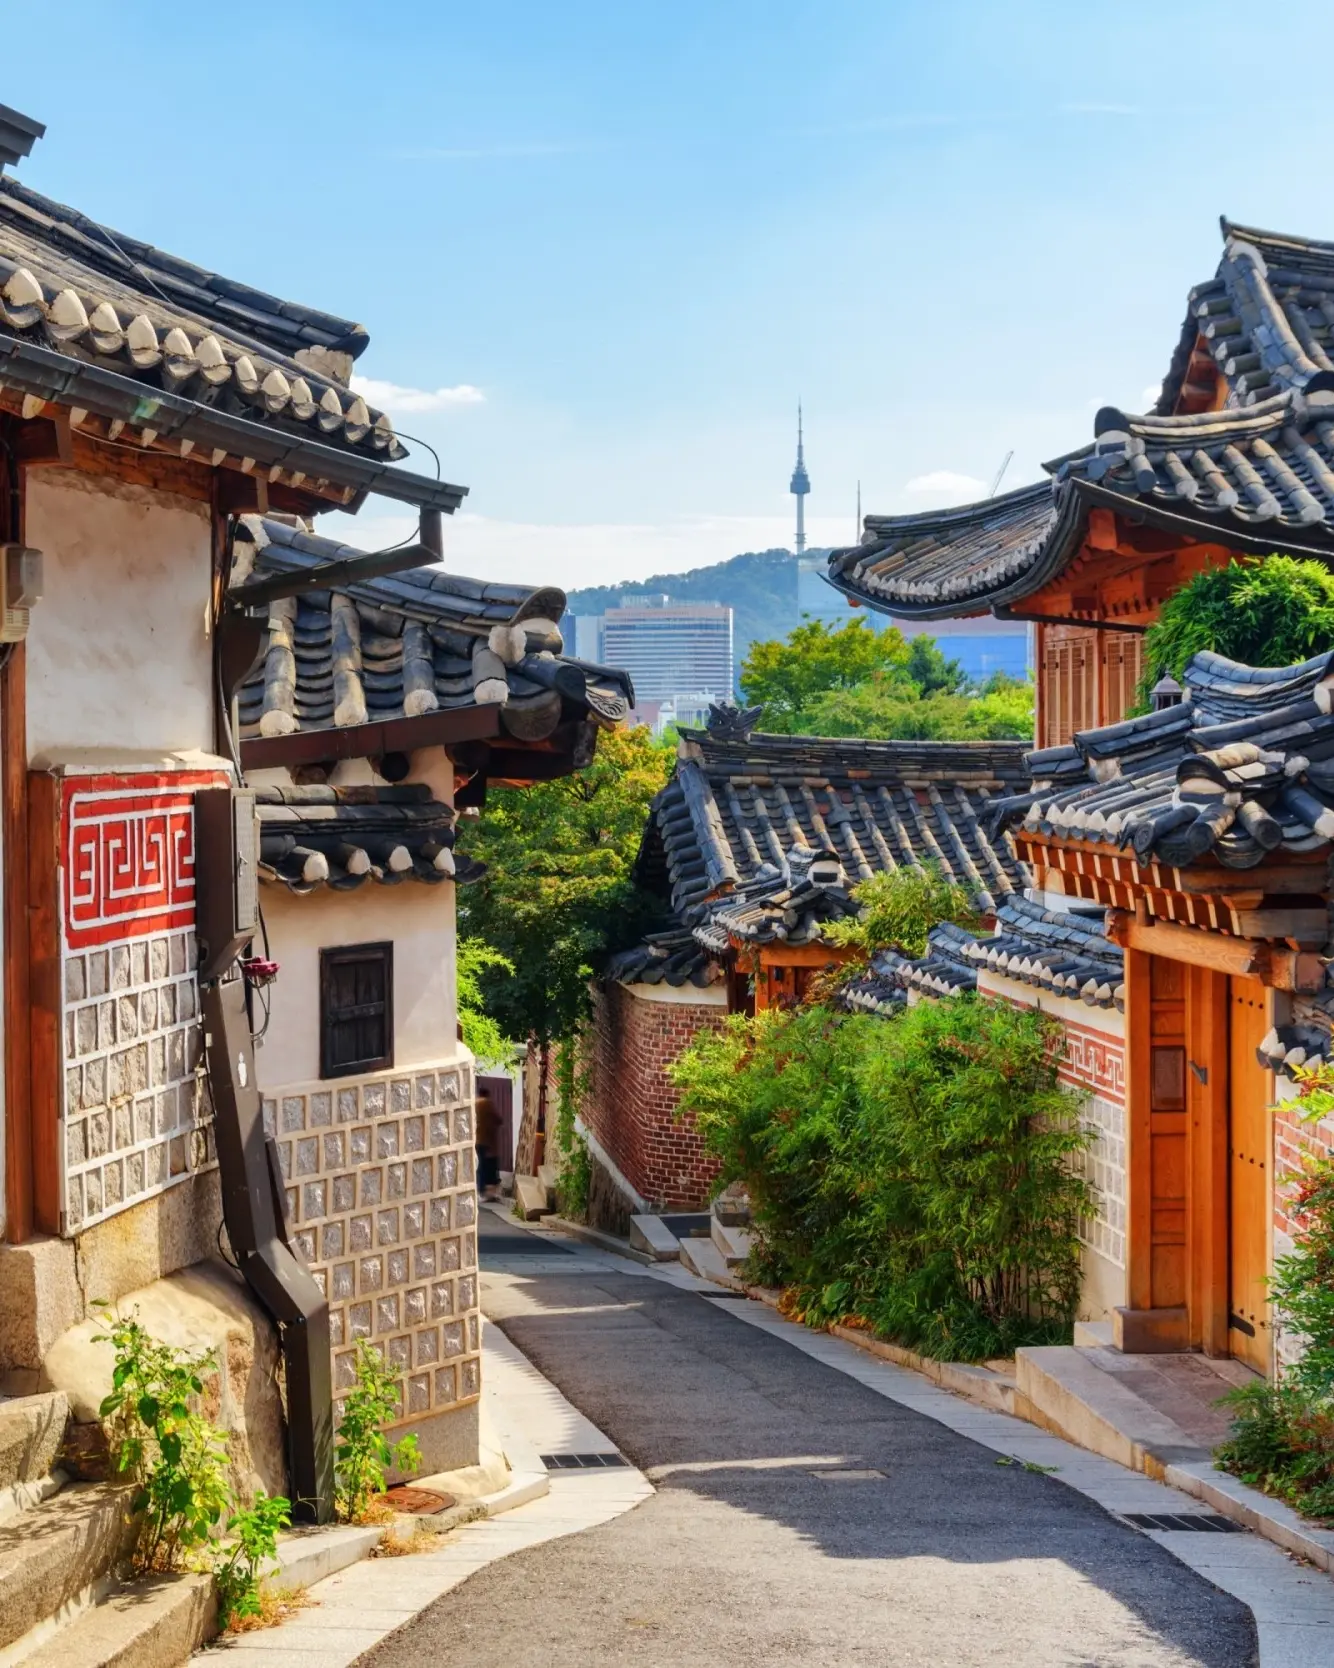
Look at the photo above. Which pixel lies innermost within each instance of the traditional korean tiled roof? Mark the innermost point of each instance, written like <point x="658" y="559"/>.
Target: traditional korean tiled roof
<point x="342" y="837"/>
<point x="408" y="644"/>
<point x="940" y="562"/>
<point x="1257" y="475"/>
<point x="672" y="958"/>
<point x="96" y="315"/>
<point x="759" y="838"/>
<point x="1243" y="766"/>
<point x="737" y="806"/>
<point x="1063" y="953"/>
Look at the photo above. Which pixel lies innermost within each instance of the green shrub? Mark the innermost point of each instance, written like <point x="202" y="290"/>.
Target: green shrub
<point x="172" y="1453"/>
<point x="1282" y="1437"/>
<point x="1270" y="611"/>
<point x="916" y="1172"/>
<point x="362" y="1453"/>
<point x="899" y="907"/>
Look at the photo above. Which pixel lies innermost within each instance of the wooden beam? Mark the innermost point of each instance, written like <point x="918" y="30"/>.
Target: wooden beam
<point x="1243" y="958"/>
<point x="373" y="741"/>
<point x="783" y="954"/>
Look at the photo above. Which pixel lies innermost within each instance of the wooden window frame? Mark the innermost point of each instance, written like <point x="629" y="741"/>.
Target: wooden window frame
<point x="383" y="950"/>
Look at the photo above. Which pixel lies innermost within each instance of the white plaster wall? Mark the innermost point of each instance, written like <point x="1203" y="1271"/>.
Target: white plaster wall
<point x="118" y="654"/>
<point x="419" y="919"/>
<point x="695" y="996"/>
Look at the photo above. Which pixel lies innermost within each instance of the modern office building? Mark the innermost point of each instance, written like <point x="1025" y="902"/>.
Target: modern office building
<point x="670" y="648"/>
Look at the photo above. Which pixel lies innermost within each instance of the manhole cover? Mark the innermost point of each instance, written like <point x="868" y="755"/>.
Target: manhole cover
<point x="420" y="1502"/>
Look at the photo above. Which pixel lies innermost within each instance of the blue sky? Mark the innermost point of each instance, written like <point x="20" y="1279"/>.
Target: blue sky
<point x="608" y="245"/>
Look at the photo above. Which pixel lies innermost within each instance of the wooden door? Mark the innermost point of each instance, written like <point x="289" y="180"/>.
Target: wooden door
<point x="1249" y="1177"/>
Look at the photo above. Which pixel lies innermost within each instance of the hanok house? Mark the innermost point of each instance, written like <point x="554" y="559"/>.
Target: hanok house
<point x="1200" y="827"/>
<point x="753" y="847"/>
<point x="1236" y="458"/>
<point x="147" y="409"/>
<point x="372" y="714"/>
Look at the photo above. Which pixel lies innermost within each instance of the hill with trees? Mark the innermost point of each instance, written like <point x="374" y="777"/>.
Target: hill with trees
<point x="760" y="587"/>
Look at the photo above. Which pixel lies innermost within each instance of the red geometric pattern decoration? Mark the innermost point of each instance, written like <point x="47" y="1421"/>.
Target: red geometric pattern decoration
<point x="128" y="851"/>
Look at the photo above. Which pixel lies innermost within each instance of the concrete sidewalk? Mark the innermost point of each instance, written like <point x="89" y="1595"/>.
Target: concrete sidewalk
<point x="358" y="1607"/>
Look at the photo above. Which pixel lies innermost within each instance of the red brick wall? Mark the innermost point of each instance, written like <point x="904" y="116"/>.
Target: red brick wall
<point x="631" y="1105"/>
<point x="1292" y="1138"/>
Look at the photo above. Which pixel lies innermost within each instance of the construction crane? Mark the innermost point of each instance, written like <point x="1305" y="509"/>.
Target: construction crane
<point x="1000" y="473"/>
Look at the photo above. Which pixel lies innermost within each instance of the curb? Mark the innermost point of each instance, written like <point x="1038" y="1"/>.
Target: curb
<point x="596" y="1238"/>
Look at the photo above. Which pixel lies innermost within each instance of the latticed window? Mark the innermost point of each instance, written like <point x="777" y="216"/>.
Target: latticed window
<point x="356" y="1009"/>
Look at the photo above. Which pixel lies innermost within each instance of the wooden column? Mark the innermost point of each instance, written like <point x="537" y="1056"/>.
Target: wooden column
<point x="19" y="1213"/>
<point x="44" y="994"/>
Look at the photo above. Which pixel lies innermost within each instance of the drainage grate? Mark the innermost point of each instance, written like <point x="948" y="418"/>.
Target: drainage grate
<point x="1206" y="1522"/>
<point x="582" y="1462"/>
<point x="743" y="1297"/>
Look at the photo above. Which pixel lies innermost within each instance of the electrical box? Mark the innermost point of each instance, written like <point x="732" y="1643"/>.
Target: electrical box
<point x="226" y="876"/>
<point x="20" y="588"/>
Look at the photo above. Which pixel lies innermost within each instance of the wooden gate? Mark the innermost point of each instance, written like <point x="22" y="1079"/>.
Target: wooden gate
<point x="1249" y="1178"/>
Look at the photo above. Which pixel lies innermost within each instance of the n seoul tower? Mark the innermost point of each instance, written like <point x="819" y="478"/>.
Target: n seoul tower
<point x="801" y="485"/>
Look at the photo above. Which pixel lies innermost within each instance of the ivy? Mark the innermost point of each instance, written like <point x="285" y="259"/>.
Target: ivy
<point x="573" y="1081"/>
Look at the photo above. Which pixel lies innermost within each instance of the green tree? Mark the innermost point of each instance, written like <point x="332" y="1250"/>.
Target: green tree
<point x="931" y="671"/>
<point x="886" y="709"/>
<point x="1270" y="611"/>
<point x="557" y="893"/>
<point x="816" y="659"/>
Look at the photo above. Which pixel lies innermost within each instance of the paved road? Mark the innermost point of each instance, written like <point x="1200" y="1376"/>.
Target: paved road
<point x="764" y="1545"/>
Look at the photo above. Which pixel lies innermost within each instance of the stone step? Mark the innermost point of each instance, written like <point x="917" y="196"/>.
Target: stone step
<point x="32" y="1429"/>
<point x="1073" y="1396"/>
<point x="158" y="1622"/>
<point x="549" y="1174"/>
<point x="650" y="1234"/>
<point x="530" y="1198"/>
<point x="52" y="1555"/>
<point x="733" y="1242"/>
<point x="703" y="1258"/>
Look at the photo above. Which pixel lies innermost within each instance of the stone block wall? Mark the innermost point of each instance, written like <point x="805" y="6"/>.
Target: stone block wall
<point x="382" y="1194"/>
<point x="136" y="1109"/>
<point x="631" y="1104"/>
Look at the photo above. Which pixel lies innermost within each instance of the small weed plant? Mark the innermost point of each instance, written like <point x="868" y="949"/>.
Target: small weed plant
<point x="1282" y="1438"/>
<point x="254" y="1532"/>
<point x="167" y="1448"/>
<point x="363" y="1453"/>
<point x="176" y="1459"/>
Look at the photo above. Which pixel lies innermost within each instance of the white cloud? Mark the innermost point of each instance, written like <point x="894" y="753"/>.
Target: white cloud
<point x="389" y="396"/>
<point x="1150" y="395"/>
<point x="946" y="486"/>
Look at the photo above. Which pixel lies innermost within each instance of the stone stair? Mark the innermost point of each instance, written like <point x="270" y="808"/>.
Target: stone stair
<point x="64" y="1602"/>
